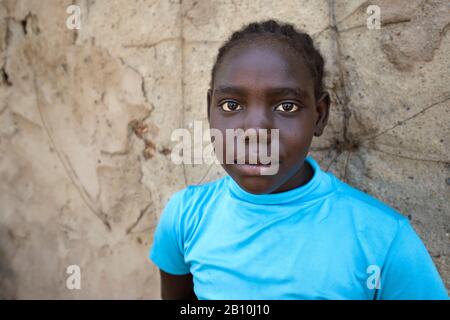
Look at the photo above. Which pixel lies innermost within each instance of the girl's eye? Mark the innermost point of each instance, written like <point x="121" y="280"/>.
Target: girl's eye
<point x="287" y="107"/>
<point x="230" y="106"/>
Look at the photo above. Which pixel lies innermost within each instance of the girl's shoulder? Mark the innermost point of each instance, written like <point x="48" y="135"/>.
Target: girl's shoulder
<point x="367" y="208"/>
<point x="194" y="195"/>
<point x="206" y="189"/>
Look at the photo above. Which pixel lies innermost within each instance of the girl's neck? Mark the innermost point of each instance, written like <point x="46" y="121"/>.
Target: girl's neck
<point x="302" y="177"/>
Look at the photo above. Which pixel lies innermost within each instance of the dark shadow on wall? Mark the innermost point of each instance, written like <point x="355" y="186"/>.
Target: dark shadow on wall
<point x="8" y="287"/>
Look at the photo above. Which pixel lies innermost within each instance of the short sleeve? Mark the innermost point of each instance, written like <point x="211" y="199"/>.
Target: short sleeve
<point x="167" y="248"/>
<point x="409" y="272"/>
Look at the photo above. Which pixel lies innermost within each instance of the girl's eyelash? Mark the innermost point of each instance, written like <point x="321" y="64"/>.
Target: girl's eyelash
<point x="296" y="106"/>
<point x="221" y="104"/>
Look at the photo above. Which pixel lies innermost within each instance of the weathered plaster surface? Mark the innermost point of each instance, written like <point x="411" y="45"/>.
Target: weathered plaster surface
<point x="86" y="118"/>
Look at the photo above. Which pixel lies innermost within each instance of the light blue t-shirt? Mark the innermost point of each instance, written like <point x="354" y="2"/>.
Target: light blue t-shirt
<point x="323" y="240"/>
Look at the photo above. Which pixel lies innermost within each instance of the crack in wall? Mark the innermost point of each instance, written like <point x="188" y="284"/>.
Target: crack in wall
<point x="74" y="31"/>
<point x="343" y="99"/>
<point x="142" y="212"/>
<point x="401" y="122"/>
<point x="374" y="148"/>
<point x="28" y="22"/>
<point x="205" y="174"/>
<point x="85" y="196"/>
<point x="5" y="77"/>
<point x="7" y="42"/>
<point x="183" y="61"/>
<point x="149" y="45"/>
<point x="341" y="91"/>
<point x="143" y="89"/>
<point x="132" y="128"/>
<point x="382" y="24"/>
<point x="342" y="84"/>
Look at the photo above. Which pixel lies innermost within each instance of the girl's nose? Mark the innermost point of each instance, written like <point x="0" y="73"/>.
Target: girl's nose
<point x="257" y="117"/>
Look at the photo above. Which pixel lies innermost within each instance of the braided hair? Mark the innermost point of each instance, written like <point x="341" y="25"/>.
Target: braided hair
<point x="288" y="34"/>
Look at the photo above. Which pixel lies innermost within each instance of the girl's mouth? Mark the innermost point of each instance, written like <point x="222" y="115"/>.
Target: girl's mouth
<point x="250" y="169"/>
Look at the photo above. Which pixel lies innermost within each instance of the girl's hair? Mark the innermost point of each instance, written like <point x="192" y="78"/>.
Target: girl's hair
<point x="298" y="40"/>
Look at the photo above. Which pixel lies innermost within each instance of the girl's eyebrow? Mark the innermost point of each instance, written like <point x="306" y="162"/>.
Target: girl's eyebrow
<point x="230" y="90"/>
<point x="277" y="91"/>
<point x="285" y="91"/>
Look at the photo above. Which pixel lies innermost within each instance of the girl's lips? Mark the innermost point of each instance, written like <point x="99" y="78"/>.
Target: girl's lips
<point x="250" y="169"/>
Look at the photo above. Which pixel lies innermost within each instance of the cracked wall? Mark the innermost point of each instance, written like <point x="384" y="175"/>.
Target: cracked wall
<point x="86" y="117"/>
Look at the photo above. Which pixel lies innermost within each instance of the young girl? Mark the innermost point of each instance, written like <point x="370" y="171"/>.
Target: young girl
<point x="300" y="233"/>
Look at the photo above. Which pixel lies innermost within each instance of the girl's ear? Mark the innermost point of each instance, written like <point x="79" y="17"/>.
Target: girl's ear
<point x="208" y="100"/>
<point x="323" y="110"/>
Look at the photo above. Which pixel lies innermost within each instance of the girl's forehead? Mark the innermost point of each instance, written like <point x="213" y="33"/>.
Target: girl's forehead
<point x="267" y="64"/>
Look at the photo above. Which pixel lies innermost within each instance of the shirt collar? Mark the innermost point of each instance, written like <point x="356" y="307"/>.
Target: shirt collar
<point x="319" y="185"/>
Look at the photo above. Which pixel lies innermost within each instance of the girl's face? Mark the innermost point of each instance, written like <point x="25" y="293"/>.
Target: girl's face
<point x="261" y="86"/>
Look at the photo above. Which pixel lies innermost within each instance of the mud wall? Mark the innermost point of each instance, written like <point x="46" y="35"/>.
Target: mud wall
<point x="86" y="117"/>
